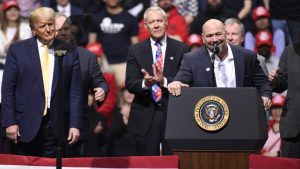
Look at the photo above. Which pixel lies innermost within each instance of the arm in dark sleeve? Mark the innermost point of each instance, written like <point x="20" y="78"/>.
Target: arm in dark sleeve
<point x="260" y="80"/>
<point x="185" y="74"/>
<point x="75" y="94"/>
<point x="134" y="76"/>
<point x="184" y="49"/>
<point x="97" y="77"/>
<point x="9" y="83"/>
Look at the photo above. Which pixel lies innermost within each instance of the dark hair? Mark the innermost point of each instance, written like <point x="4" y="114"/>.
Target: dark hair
<point x="4" y="25"/>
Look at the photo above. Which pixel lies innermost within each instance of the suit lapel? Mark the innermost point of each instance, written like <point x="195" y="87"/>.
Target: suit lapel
<point x="147" y="57"/>
<point x="169" y="58"/>
<point x="239" y="66"/>
<point x="208" y="64"/>
<point x="36" y="63"/>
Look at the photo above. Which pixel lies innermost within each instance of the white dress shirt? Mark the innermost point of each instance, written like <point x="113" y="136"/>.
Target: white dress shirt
<point x="66" y="10"/>
<point x="228" y="62"/>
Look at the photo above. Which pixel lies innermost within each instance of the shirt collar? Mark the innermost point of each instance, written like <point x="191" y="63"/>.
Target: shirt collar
<point x="230" y="54"/>
<point x="163" y="41"/>
<point x="64" y="8"/>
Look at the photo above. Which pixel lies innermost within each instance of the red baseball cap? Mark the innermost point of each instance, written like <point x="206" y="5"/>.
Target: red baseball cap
<point x="8" y="4"/>
<point x="260" y="12"/>
<point x="278" y="100"/>
<point x="95" y="48"/>
<point x="194" y="39"/>
<point x="263" y="38"/>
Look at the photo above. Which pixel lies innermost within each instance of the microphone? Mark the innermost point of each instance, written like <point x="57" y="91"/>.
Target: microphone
<point x="216" y="49"/>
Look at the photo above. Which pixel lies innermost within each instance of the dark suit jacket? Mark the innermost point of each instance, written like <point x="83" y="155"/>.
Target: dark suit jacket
<point x="140" y="56"/>
<point x="194" y="70"/>
<point x="91" y="78"/>
<point x="23" y="97"/>
<point x="289" y="78"/>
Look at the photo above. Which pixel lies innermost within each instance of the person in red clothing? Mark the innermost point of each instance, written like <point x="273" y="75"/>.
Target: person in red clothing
<point x="273" y="145"/>
<point x="177" y="27"/>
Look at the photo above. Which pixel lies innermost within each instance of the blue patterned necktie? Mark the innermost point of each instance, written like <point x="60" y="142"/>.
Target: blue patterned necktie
<point x="156" y="92"/>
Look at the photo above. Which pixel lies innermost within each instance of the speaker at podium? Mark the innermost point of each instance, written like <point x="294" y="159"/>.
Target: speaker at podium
<point x="217" y="121"/>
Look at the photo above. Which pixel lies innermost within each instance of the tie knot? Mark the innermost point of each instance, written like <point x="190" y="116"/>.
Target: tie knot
<point x="45" y="46"/>
<point x="158" y="44"/>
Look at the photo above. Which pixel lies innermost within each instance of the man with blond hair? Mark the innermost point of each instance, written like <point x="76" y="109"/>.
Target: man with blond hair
<point x="30" y="91"/>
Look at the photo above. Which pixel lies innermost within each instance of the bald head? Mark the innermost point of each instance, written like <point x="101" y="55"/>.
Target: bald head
<point x="213" y="32"/>
<point x="212" y="24"/>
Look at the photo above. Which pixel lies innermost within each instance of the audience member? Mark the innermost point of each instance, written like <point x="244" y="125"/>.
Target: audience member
<point x="215" y="9"/>
<point x="26" y="7"/>
<point x="66" y="8"/>
<point x="230" y="68"/>
<point x="261" y="20"/>
<point x="272" y="146"/>
<point x="115" y="28"/>
<point x="97" y="136"/>
<point x="264" y="47"/>
<point x="151" y="65"/>
<point x="27" y="98"/>
<point x="279" y="10"/>
<point x="121" y="141"/>
<point x="235" y="35"/>
<point x="194" y="41"/>
<point x="187" y="9"/>
<point x="176" y="25"/>
<point x="286" y="76"/>
<point x="12" y="28"/>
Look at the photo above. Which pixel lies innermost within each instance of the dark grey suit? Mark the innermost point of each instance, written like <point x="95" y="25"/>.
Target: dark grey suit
<point x="147" y="119"/>
<point x="91" y="77"/>
<point x="194" y="70"/>
<point x="289" y="78"/>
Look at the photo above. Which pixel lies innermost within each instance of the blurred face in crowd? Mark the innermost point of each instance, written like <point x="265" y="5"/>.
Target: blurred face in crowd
<point x="265" y="51"/>
<point x="214" y="2"/>
<point x="262" y="23"/>
<point x="213" y="32"/>
<point x="156" y="24"/>
<point x="44" y="28"/>
<point x="233" y="34"/>
<point x="276" y="113"/>
<point x="166" y="5"/>
<point x="112" y="3"/>
<point x="62" y="29"/>
<point x="12" y="14"/>
<point x="62" y="2"/>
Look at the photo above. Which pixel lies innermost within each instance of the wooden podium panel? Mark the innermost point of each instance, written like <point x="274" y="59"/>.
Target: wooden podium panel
<point x="213" y="160"/>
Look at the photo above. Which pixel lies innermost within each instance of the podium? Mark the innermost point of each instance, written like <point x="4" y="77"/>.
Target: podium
<point x="243" y="131"/>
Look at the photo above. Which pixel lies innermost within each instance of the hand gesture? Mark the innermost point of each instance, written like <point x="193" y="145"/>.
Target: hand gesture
<point x="273" y="75"/>
<point x="175" y="88"/>
<point x="99" y="94"/>
<point x="12" y="133"/>
<point x="149" y="80"/>
<point x="158" y="73"/>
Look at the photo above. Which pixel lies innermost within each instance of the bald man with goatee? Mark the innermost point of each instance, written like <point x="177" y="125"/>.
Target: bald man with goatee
<point x="231" y="66"/>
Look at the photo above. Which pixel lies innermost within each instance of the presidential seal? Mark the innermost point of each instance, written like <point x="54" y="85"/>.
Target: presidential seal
<point x="211" y="113"/>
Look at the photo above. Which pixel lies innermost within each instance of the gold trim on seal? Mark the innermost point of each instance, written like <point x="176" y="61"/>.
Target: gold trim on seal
<point x="211" y="113"/>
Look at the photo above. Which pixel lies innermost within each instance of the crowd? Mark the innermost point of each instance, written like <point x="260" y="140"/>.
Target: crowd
<point x="128" y="60"/>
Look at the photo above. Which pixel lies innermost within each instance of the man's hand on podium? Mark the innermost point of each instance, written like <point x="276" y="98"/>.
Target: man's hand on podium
<point x="175" y="88"/>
